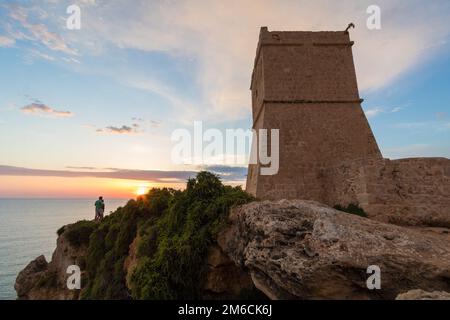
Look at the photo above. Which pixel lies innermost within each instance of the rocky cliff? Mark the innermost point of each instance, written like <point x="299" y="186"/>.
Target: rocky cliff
<point x="42" y="280"/>
<point x="190" y="244"/>
<point x="159" y="246"/>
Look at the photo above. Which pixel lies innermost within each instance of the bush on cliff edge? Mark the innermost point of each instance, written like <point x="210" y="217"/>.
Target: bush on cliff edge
<point x="78" y="233"/>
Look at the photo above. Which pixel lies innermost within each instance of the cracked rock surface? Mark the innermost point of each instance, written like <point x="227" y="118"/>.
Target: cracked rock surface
<point x="295" y="249"/>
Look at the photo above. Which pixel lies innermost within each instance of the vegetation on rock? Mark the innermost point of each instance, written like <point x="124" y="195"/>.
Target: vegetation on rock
<point x="78" y="233"/>
<point x="173" y="247"/>
<point x="175" y="230"/>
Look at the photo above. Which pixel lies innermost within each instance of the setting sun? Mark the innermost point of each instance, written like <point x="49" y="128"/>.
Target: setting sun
<point x="141" y="191"/>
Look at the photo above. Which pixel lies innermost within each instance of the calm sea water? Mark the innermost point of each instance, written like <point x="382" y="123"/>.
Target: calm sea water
<point x="28" y="229"/>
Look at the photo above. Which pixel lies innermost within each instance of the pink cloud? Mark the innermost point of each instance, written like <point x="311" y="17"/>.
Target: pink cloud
<point x="44" y="110"/>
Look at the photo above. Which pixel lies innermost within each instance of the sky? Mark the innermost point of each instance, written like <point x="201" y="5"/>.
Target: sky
<point x="92" y="111"/>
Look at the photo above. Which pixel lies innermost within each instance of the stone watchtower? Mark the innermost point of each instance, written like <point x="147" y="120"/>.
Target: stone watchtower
<point x="304" y="84"/>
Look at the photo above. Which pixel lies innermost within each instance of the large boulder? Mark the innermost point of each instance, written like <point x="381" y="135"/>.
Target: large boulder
<point x="305" y="250"/>
<point x="30" y="277"/>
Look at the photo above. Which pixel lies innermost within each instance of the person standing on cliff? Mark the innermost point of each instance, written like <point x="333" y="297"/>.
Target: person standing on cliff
<point x="99" y="208"/>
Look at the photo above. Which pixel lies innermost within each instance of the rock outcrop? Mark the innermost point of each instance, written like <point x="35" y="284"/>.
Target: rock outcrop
<point x="131" y="261"/>
<point x="29" y="278"/>
<point x="423" y="295"/>
<point x="41" y="280"/>
<point x="305" y="250"/>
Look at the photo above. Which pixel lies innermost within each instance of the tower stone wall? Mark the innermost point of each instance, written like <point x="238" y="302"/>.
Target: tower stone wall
<point x="304" y="84"/>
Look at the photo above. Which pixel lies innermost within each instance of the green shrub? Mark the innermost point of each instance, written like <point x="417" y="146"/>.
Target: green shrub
<point x="353" y="209"/>
<point x="78" y="233"/>
<point x="61" y="230"/>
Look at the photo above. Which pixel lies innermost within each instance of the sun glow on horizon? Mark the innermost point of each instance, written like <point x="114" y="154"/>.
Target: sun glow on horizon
<point x="142" y="190"/>
<point x="63" y="187"/>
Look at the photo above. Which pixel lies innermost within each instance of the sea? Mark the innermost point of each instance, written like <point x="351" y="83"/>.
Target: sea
<point x="28" y="229"/>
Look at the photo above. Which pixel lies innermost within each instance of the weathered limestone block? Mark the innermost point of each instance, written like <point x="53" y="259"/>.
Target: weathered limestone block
<point x="305" y="250"/>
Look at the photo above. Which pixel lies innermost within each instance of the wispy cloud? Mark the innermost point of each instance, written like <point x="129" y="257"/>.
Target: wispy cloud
<point x="71" y="60"/>
<point x="155" y="124"/>
<point x="41" y="55"/>
<point x="373" y="112"/>
<point x="116" y="173"/>
<point x="142" y="121"/>
<point x="36" y="32"/>
<point x="150" y="175"/>
<point x="6" y="41"/>
<point x="221" y="39"/>
<point x="81" y="168"/>
<point x="41" y="109"/>
<point x="424" y="125"/>
<point x="231" y="173"/>
<point x="190" y="110"/>
<point x="139" y="125"/>
<point x="124" y="129"/>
